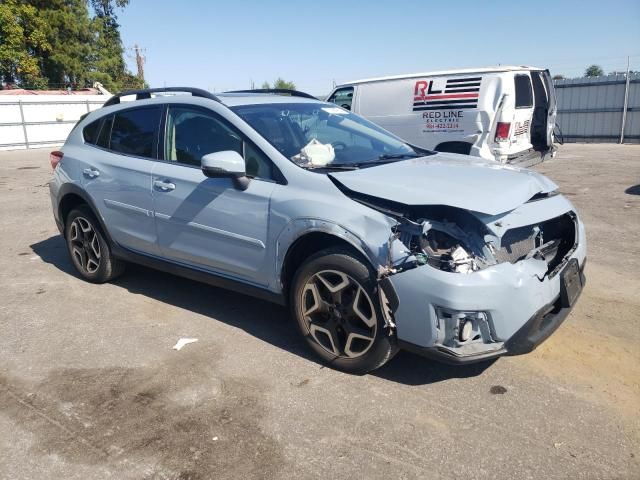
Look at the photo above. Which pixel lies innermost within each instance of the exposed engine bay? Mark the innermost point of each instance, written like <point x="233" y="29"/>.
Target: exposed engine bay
<point x="453" y="240"/>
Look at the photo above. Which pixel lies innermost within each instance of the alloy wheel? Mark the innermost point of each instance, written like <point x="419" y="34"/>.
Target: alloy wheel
<point x="339" y="314"/>
<point x="85" y="246"/>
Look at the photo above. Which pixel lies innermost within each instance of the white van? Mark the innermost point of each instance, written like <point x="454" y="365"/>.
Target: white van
<point x="506" y="114"/>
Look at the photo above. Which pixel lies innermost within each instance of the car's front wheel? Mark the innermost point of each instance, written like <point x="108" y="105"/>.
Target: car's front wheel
<point x="88" y="248"/>
<point x="334" y="298"/>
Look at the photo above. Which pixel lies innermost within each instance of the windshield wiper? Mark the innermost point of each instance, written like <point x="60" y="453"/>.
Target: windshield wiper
<point x="397" y="156"/>
<point x="384" y="158"/>
<point x="330" y="166"/>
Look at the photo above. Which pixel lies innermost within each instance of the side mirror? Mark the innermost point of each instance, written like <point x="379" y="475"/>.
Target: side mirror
<point x="226" y="164"/>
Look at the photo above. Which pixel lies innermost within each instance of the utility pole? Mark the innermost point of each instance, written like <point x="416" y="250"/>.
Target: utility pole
<point x="140" y="59"/>
<point x="626" y="103"/>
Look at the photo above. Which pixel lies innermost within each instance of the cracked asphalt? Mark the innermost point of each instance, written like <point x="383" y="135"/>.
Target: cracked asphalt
<point x="90" y="387"/>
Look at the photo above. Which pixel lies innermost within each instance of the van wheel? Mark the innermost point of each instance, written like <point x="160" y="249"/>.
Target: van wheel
<point x="334" y="299"/>
<point x="88" y="248"/>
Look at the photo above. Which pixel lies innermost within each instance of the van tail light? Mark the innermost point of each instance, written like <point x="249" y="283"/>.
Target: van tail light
<point x="502" y="131"/>
<point x="55" y="157"/>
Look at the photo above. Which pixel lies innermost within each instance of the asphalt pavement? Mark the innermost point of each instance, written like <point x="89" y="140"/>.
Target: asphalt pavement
<point x="90" y="387"/>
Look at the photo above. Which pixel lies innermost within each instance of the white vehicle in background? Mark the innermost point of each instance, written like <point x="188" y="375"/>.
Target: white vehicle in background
<point x="506" y="114"/>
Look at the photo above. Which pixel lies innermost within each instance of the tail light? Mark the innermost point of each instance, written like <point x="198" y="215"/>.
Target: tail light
<point x="55" y="157"/>
<point x="502" y="131"/>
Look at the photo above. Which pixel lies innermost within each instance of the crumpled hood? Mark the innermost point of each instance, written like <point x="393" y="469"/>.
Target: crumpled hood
<point x="449" y="179"/>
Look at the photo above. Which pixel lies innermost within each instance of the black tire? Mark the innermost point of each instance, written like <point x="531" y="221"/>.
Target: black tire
<point x="382" y="345"/>
<point x="88" y="247"/>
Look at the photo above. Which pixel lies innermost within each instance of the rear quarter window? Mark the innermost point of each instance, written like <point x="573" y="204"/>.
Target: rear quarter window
<point x="135" y="131"/>
<point x="91" y="131"/>
<point x="105" y="133"/>
<point x="524" y="93"/>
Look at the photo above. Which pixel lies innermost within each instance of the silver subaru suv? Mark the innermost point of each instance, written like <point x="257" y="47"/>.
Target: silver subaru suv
<point x="376" y="245"/>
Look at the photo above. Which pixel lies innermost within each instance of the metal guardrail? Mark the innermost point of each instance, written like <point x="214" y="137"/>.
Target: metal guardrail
<point x="40" y="142"/>
<point x="24" y="124"/>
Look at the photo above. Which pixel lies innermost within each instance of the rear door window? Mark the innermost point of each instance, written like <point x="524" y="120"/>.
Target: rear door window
<point x="135" y="131"/>
<point x="524" y="94"/>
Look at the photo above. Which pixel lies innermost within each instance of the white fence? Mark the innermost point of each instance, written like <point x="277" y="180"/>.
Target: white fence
<point x="38" y="121"/>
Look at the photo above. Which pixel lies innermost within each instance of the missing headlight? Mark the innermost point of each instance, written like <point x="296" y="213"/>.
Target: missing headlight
<point x="446" y="253"/>
<point x="441" y="244"/>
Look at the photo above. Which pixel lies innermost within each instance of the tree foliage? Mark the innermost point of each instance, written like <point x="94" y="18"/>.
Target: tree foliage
<point x="60" y="43"/>
<point x="22" y="34"/>
<point x="594" y="71"/>
<point x="280" y="83"/>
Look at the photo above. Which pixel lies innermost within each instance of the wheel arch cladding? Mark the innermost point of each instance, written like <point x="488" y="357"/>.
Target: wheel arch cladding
<point x="308" y="244"/>
<point x="72" y="196"/>
<point x="68" y="203"/>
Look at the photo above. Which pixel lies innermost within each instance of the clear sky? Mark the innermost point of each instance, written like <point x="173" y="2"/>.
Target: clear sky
<point x="225" y="45"/>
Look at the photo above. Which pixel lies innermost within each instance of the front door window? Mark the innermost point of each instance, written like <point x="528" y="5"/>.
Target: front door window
<point x="342" y="97"/>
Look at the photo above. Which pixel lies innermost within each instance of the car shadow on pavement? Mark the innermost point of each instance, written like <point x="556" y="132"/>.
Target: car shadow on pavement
<point x="633" y="190"/>
<point x="411" y="369"/>
<point x="261" y="319"/>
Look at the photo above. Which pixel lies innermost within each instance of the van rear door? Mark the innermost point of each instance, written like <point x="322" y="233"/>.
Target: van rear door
<point x="553" y="106"/>
<point x="544" y="111"/>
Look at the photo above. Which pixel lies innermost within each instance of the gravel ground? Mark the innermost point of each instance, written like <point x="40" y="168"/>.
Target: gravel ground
<point x="90" y="387"/>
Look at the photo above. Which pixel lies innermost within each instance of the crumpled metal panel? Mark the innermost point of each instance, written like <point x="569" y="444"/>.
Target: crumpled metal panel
<point x="449" y="179"/>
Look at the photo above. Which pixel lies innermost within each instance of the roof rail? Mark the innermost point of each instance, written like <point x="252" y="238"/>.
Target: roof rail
<point x="146" y="93"/>
<point x="281" y="91"/>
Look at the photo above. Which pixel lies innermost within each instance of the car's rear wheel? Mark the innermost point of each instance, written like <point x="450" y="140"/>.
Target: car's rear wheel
<point x="335" y="304"/>
<point x="88" y="248"/>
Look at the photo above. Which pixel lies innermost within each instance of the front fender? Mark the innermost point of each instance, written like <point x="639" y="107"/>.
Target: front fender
<point x="300" y="227"/>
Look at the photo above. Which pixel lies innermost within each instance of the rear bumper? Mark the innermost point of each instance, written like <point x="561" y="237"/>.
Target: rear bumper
<point x="525" y="158"/>
<point x="535" y="331"/>
<point x="53" y="190"/>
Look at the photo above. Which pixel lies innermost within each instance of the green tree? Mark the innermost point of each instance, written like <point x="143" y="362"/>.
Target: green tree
<point x="58" y="42"/>
<point x="594" y="71"/>
<point x="71" y="38"/>
<point x="280" y="83"/>
<point x="108" y="61"/>
<point x="22" y="33"/>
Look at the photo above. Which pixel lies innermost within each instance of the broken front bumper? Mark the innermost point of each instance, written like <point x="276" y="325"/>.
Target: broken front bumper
<point x="519" y="309"/>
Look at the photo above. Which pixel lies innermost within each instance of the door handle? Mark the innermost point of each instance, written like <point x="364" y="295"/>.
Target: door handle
<point x="91" y="172"/>
<point x="164" y="185"/>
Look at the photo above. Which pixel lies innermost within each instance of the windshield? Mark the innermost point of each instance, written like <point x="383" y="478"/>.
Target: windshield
<point x="316" y="135"/>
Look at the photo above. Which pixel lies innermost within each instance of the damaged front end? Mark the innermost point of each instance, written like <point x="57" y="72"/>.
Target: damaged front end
<point x="466" y="282"/>
<point x="454" y="240"/>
